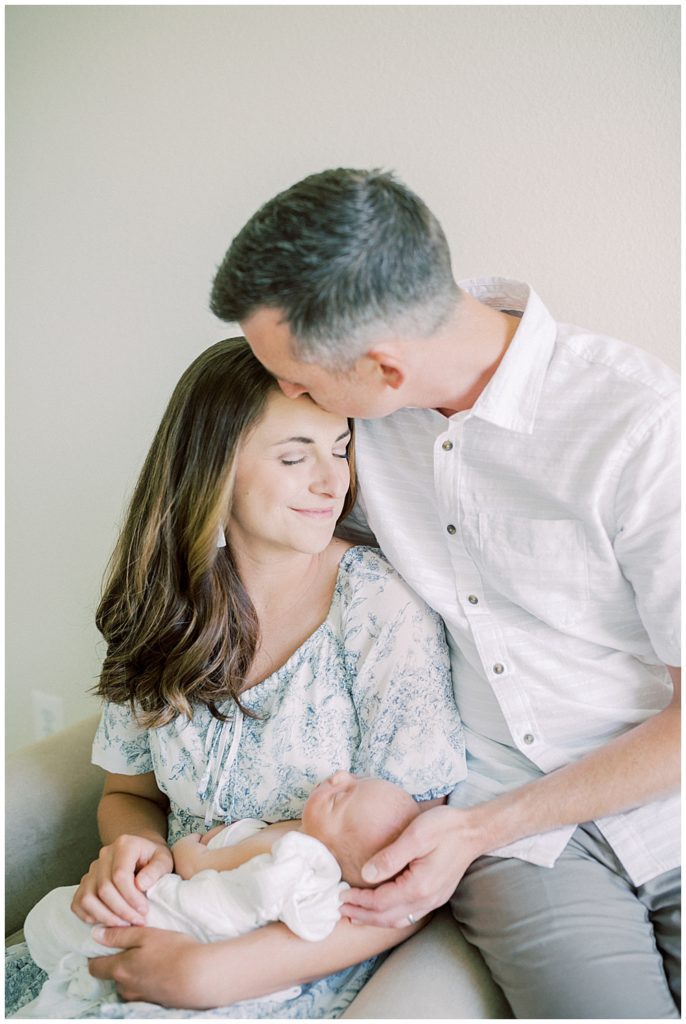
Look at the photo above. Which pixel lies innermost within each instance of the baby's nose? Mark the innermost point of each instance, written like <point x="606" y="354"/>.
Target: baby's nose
<point x="340" y="778"/>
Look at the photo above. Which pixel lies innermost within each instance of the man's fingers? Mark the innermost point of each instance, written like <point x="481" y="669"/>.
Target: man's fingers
<point x="392" y="859"/>
<point x="403" y="891"/>
<point x="358" y="915"/>
<point x="360" y="898"/>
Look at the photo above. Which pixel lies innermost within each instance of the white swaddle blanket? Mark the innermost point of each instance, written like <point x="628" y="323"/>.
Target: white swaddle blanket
<point x="298" y="883"/>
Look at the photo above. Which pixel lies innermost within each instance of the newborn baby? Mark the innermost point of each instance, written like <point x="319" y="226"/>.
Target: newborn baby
<point x="230" y="881"/>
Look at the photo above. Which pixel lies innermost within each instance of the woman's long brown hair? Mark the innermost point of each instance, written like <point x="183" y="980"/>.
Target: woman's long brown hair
<point x="179" y="625"/>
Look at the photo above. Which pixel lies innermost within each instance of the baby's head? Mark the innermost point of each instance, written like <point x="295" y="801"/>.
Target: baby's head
<point x="355" y="817"/>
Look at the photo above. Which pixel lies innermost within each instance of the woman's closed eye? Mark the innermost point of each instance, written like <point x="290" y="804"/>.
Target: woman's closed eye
<point x="295" y="461"/>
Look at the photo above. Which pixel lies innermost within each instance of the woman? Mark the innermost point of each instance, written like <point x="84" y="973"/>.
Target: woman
<point x="250" y="655"/>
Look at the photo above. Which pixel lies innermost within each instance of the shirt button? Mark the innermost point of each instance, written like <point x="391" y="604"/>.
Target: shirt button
<point x="528" y="738"/>
<point x="498" y="668"/>
<point x="473" y="599"/>
<point x="447" y="446"/>
<point x="451" y="529"/>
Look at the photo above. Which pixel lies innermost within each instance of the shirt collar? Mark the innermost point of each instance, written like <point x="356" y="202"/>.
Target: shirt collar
<point x="510" y="399"/>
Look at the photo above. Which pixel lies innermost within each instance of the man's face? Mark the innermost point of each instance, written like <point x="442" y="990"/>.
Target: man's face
<point x="358" y="392"/>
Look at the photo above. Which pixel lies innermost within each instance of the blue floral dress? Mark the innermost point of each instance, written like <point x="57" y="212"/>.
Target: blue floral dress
<point x="369" y="691"/>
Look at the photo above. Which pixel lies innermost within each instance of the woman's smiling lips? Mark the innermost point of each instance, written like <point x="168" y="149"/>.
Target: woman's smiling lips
<point x="314" y="513"/>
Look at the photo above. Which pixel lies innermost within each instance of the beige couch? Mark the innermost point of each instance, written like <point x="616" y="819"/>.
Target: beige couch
<point x="51" y="795"/>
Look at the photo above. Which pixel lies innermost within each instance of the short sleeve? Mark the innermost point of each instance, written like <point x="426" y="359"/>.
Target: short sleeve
<point x="398" y="660"/>
<point x="121" y="745"/>
<point x="647" y="540"/>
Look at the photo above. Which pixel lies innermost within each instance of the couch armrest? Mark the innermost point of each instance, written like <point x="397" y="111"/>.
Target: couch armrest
<point x="51" y="795"/>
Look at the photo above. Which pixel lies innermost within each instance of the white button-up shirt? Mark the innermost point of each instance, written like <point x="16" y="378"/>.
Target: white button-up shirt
<point x="543" y="526"/>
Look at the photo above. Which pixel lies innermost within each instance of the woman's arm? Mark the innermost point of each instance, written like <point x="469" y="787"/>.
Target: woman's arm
<point x="132" y="805"/>
<point x="133" y="826"/>
<point x="192" y="855"/>
<point x="175" y="970"/>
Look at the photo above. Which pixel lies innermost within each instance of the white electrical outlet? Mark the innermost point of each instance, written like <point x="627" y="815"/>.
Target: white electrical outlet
<point x="48" y="714"/>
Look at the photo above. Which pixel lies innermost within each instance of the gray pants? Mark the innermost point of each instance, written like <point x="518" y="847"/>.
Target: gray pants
<point x="578" y="940"/>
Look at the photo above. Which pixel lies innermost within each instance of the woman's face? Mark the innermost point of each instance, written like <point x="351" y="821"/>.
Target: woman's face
<point x="291" y="479"/>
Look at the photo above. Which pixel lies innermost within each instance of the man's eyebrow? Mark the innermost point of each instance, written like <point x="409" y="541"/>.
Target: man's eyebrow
<point x="308" y="440"/>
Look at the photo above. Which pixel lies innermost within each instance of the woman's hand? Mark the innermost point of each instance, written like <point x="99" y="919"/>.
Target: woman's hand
<point x="157" y="967"/>
<point x="175" y="970"/>
<point x="112" y="890"/>
<point x="188" y="853"/>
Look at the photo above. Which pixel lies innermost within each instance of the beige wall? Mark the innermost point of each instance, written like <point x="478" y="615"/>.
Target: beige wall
<point x="141" y="138"/>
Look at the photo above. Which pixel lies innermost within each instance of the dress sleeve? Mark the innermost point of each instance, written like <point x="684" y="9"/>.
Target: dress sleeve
<point x="399" y="666"/>
<point x="121" y="745"/>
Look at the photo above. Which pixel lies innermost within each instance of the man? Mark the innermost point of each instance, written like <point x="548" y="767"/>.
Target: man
<point x="522" y="475"/>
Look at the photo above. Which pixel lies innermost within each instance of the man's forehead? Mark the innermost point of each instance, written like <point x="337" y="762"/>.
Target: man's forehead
<point x="268" y="337"/>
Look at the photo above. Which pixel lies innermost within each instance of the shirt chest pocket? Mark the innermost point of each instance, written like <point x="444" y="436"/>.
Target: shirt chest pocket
<point x="539" y="564"/>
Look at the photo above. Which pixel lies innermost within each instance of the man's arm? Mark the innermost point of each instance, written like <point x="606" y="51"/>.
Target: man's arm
<point x="436" y="849"/>
<point x="174" y="970"/>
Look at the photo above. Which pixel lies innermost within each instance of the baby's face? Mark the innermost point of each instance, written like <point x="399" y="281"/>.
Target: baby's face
<point x="355" y="816"/>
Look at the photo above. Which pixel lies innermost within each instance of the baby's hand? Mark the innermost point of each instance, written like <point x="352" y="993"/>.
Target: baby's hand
<point x="188" y="853"/>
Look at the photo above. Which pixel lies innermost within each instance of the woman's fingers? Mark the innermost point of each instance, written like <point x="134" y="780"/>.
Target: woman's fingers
<point x="115" y="883"/>
<point x="90" y="909"/>
<point x="112" y="892"/>
<point x="111" y="897"/>
<point x="161" y="863"/>
<point x="96" y="912"/>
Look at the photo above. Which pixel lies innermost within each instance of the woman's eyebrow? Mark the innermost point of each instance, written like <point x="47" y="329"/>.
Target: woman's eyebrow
<point x="289" y="440"/>
<point x="308" y="440"/>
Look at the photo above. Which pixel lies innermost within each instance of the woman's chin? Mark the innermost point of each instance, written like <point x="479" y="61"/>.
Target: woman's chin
<point x="314" y="542"/>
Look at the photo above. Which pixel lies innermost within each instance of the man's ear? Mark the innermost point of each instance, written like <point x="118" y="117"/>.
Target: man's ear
<point x="389" y="366"/>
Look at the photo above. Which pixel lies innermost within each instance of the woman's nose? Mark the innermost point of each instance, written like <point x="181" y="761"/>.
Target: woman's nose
<point x="331" y="479"/>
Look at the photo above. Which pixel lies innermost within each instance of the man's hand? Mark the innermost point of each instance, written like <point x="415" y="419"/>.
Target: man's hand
<point x="112" y="892"/>
<point x="432" y="855"/>
<point x="188" y="853"/>
<point x="157" y="966"/>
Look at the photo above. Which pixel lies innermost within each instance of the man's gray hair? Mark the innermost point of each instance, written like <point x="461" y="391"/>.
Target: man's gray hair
<point x="347" y="256"/>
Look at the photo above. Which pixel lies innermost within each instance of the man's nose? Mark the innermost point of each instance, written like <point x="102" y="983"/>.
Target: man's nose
<point x="291" y="390"/>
